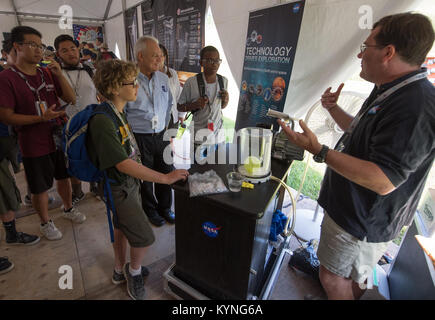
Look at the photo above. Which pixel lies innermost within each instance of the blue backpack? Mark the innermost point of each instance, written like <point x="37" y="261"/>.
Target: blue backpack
<point x="77" y="160"/>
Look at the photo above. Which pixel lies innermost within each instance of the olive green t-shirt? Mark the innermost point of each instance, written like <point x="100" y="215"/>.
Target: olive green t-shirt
<point x="106" y="147"/>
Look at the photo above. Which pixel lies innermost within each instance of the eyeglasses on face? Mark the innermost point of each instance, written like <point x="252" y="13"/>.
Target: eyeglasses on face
<point x="212" y="61"/>
<point x="32" y="45"/>
<point x="134" y="83"/>
<point x="364" y="46"/>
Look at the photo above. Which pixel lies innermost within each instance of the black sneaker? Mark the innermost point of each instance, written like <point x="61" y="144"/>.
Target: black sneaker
<point x="5" y="265"/>
<point x="22" y="238"/>
<point x="169" y="216"/>
<point x="118" y="278"/>
<point x="77" y="199"/>
<point x="156" y="219"/>
<point x="135" y="284"/>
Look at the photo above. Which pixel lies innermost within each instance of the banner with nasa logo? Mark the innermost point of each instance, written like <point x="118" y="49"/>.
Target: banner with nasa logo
<point x="269" y="54"/>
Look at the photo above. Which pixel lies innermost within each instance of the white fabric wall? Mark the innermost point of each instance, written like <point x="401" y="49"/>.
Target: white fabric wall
<point x="327" y="48"/>
<point x="6" y="24"/>
<point x="115" y="35"/>
<point x="49" y="31"/>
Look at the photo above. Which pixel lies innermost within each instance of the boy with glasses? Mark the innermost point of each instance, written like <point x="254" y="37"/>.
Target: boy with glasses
<point x="205" y="96"/>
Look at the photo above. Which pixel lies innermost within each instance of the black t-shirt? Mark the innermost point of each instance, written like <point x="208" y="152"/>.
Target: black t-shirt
<point x="398" y="135"/>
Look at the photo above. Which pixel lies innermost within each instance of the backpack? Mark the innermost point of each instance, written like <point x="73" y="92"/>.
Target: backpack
<point x="201" y="84"/>
<point x="77" y="160"/>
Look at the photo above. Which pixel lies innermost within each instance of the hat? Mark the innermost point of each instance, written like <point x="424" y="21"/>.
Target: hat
<point x="104" y="46"/>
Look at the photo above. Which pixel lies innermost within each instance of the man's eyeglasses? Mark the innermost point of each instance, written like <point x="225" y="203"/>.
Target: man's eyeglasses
<point x="32" y="45"/>
<point x="212" y="61"/>
<point x="134" y="83"/>
<point x="364" y="46"/>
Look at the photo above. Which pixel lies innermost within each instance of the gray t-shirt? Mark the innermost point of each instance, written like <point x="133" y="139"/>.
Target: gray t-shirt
<point x="212" y="111"/>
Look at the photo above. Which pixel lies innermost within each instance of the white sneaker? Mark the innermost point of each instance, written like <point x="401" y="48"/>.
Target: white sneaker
<point x="50" y="231"/>
<point x="74" y="215"/>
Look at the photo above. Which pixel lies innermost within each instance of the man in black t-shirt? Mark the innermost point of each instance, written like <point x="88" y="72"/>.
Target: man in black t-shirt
<point x="377" y="172"/>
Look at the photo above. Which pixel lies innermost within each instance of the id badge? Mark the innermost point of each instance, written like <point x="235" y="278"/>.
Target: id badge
<point x="41" y="107"/>
<point x="154" y="122"/>
<point x="210" y="125"/>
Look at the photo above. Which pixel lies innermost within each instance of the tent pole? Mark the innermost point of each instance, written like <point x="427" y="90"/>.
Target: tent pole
<point x="15" y="11"/>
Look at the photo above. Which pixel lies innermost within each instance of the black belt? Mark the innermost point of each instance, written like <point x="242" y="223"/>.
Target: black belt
<point x="153" y="134"/>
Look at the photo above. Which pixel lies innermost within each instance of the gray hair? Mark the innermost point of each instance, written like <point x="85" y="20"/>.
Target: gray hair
<point x="141" y="44"/>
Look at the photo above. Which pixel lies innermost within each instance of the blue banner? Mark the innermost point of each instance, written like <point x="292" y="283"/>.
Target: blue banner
<point x="269" y="55"/>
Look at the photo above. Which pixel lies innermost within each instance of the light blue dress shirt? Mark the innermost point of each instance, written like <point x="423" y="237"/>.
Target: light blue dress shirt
<point x="153" y="99"/>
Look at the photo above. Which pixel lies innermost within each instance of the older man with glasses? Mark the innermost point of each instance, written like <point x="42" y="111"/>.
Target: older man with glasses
<point x="377" y="171"/>
<point x="149" y="117"/>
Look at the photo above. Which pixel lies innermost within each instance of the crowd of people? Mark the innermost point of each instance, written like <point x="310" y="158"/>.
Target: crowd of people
<point x="375" y="175"/>
<point x="43" y="89"/>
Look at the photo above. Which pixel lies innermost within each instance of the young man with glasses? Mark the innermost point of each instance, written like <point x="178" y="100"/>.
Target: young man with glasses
<point x="30" y="102"/>
<point x="79" y="77"/>
<point x="378" y="169"/>
<point x="205" y="96"/>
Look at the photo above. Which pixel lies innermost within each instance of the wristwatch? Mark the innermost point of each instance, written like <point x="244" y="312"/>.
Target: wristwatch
<point x="321" y="156"/>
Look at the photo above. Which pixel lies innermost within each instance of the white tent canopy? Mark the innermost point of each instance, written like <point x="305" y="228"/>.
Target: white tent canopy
<point x="326" y="53"/>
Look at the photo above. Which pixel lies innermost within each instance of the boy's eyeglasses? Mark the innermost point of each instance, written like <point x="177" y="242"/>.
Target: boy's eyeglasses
<point x="134" y="83"/>
<point x="212" y="61"/>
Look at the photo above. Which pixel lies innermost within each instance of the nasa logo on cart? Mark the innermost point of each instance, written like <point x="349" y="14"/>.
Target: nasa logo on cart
<point x="210" y="229"/>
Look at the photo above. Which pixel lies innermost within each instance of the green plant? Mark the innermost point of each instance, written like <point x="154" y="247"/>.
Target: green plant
<point x="312" y="182"/>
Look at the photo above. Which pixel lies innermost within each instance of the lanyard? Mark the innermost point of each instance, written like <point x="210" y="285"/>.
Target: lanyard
<point x="150" y="97"/>
<point x="76" y="86"/>
<point x="217" y="89"/>
<point x="35" y="91"/>
<point x="382" y="97"/>
<point x="133" y="142"/>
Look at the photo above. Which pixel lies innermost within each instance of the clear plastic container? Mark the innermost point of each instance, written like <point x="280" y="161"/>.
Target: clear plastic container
<point x="254" y="151"/>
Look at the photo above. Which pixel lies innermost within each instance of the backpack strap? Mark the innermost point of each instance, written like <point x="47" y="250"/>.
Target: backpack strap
<point x="201" y="84"/>
<point x="110" y="205"/>
<point x="220" y="81"/>
<point x="89" y="70"/>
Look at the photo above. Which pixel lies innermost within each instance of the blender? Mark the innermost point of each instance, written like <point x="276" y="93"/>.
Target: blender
<point x="254" y="150"/>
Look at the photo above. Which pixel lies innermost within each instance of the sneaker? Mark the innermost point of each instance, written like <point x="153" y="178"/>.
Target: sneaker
<point x="22" y="238"/>
<point x="5" y="265"/>
<point x="50" y="231"/>
<point x="27" y="200"/>
<point x="118" y="278"/>
<point x="169" y="216"/>
<point x="135" y="285"/>
<point x="74" y="215"/>
<point x="77" y="199"/>
<point x="156" y="219"/>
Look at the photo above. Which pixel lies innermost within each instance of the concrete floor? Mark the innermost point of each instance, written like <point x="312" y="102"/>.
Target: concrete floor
<point x="87" y="249"/>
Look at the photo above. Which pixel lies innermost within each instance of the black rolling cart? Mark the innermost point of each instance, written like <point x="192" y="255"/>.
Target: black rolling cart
<point x="222" y="247"/>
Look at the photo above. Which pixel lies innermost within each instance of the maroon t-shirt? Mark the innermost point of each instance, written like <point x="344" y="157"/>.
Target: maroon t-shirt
<point x="35" y="140"/>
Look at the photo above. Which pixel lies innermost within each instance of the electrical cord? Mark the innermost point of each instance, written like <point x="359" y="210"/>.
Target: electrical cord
<point x="286" y="231"/>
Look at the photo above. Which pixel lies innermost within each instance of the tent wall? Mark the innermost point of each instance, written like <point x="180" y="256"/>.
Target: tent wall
<point x="115" y="35"/>
<point x="328" y="43"/>
<point x="7" y="23"/>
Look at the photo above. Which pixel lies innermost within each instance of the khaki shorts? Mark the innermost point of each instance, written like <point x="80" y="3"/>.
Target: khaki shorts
<point x="130" y="217"/>
<point x="10" y="197"/>
<point x="345" y="255"/>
